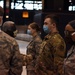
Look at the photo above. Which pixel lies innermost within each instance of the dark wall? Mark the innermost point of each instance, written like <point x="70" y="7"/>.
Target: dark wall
<point x="53" y="5"/>
<point x="16" y="16"/>
<point x="39" y="18"/>
<point x="48" y="4"/>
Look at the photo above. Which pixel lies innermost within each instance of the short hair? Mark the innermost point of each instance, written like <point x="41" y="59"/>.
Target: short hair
<point x="34" y="25"/>
<point x="1" y="11"/>
<point x="9" y="28"/>
<point x="72" y="24"/>
<point x="54" y="18"/>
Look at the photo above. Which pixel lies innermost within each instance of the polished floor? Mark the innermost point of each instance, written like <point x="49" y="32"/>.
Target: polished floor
<point x="22" y="47"/>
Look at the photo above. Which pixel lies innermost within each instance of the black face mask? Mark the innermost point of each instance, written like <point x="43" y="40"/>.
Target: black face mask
<point x="68" y="38"/>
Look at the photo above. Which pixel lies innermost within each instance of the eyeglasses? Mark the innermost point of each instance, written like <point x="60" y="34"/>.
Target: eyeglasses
<point x="71" y="33"/>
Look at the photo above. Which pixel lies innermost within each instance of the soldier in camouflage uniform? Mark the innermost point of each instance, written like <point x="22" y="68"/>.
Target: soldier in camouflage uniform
<point x="33" y="47"/>
<point x="69" y="62"/>
<point x="9" y="27"/>
<point x="10" y="59"/>
<point x="52" y="51"/>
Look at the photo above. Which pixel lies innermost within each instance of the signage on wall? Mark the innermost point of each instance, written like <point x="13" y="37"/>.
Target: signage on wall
<point x="25" y="14"/>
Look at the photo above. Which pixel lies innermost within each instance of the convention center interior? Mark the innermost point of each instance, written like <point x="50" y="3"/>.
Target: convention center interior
<point x="24" y="12"/>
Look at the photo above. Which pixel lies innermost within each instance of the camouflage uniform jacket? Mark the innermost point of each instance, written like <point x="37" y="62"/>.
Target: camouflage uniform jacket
<point x="69" y="62"/>
<point x="10" y="60"/>
<point x="33" y="50"/>
<point x="52" y="53"/>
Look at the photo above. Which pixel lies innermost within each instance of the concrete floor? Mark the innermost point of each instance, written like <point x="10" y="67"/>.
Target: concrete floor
<point x="22" y="47"/>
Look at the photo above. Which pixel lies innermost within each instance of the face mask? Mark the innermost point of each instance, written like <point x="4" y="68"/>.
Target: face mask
<point x="15" y="33"/>
<point x="46" y="29"/>
<point x="68" y="38"/>
<point x="28" y="31"/>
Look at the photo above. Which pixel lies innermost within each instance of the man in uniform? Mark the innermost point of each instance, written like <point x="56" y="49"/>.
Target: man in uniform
<point x="9" y="27"/>
<point x="52" y="51"/>
<point x="10" y="59"/>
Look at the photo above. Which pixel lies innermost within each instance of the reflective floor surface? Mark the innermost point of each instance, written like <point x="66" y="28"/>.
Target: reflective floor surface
<point x="22" y="47"/>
